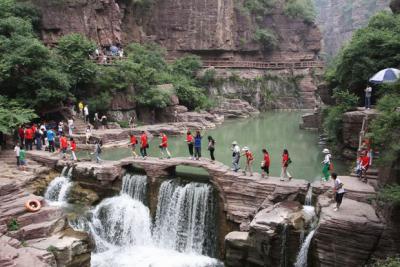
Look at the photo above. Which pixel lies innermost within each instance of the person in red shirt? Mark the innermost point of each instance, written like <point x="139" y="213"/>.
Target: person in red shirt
<point x="21" y="135"/>
<point x="164" y="146"/>
<point x="285" y="164"/>
<point x="144" y="145"/>
<point x="364" y="162"/>
<point x="265" y="163"/>
<point x="190" y="141"/>
<point x="133" y="142"/>
<point x="28" y="135"/>
<point x="72" y="146"/>
<point x="63" y="145"/>
<point x="249" y="160"/>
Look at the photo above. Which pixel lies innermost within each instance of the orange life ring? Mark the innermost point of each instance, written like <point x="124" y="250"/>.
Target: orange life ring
<point x="33" y="205"/>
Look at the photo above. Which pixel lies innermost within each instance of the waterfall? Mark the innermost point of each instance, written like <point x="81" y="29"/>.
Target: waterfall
<point x="283" y="246"/>
<point x="135" y="186"/>
<point x="57" y="191"/>
<point x="302" y="257"/>
<point x="184" y="216"/>
<point x="310" y="218"/>
<point x="124" y="236"/>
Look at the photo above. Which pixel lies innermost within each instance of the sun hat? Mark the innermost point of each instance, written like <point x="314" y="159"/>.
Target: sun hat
<point x="245" y="148"/>
<point x="234" y="143"/>
<point x="326" y="151"/>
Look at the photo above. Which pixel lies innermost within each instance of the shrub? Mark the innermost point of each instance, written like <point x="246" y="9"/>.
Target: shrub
<point x="190" y="96"/>
<point x="186" y="66"/>
<point x="301" y="9"/>
<point x="51" y="249"/>
<point x="390" y="193"/>
<point x="333" y="116"/>
<point x="155" y="98"/>
<point x="123" y="124"/>
<point x="259" y="6"/>
<point x="13" y="225"/>
<point x="266" y="38"/>
<point x="388" y="262"/>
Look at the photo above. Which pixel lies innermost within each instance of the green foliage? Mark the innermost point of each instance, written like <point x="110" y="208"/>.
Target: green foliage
<point x="186" y="66"/>
<point x="148" y="55"/>
<point x="100" y="102"/>
<point x="385" y="129"/>
<point x="371" y="49"/>
<point x="209" y="77"/>
<point x="123" y="124"/>
<point x="333" y="116"/>
<point x="155" y="97"/>
<point x="261" y="7"/>
<point x="390" y="194"/>
<point x="13" y="114"/>
<point x="266" y="38"/>
<point x="74" y="51"/>
<point x="13" y="225"/>
<point x="51" y="249"/>
<point x="300" y="9"/>
<point x="191" y="96"/>
<point x="388" y="262"/>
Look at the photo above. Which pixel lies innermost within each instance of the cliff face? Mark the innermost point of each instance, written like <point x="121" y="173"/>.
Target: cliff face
<point x="210" y="28"/>
<point x="338" y="19"/>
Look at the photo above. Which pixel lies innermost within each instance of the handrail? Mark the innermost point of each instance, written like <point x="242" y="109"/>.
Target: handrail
<point x="226" y="64"/>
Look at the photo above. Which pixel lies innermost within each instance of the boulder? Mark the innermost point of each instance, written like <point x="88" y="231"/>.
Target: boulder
<point x="395" y="6"/>
<point x="347" y="237"/>
<point x="235" y="108"/>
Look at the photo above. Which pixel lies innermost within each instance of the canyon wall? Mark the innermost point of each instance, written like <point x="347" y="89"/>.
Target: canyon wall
<point x="338" y="19"/>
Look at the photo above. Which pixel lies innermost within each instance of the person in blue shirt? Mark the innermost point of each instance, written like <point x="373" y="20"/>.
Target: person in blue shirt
<point x="50" y="139"/>
<point x="197" y="145"/>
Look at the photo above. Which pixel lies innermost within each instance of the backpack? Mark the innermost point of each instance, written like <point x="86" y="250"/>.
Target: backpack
<point x="289" y="161"/>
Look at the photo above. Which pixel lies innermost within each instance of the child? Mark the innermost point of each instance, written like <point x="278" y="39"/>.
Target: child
<point x="17" y="150"/>
<point x="22" y="158"/>
<point x="265" y="163"/>
<point x="338" y="190"/>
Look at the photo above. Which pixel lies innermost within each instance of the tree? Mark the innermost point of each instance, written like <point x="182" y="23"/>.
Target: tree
<point x="13" y="114"/>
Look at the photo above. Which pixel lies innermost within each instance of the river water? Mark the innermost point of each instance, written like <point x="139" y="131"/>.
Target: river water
<point x="271" y="130"/>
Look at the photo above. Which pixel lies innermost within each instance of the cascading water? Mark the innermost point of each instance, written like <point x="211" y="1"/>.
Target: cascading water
<point x="57" y="191"/>
<point x="310" y="217"/>
<point x="184" y="217"/>
<point x="135" y="186"/>
<point x="122" y="230"/>
<point x="283" y="246"/>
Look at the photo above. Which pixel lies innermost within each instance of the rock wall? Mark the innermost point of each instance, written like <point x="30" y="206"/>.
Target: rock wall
<point x="338" y="19"/>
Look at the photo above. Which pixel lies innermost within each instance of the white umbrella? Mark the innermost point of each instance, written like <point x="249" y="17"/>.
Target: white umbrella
<point x="389" y="75"/>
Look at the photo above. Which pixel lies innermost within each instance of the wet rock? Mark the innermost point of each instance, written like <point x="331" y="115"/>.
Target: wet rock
<point x="347" y="237"/>
<point x="80" y="195"/>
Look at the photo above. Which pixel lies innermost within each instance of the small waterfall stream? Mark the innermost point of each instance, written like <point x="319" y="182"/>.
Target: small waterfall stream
<point x="309" y="215"/>
<point x="57" y="191"/>
<point x="124" y="235"/>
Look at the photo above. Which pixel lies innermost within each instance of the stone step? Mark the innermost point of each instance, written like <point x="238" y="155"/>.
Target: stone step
<point x="39" y="230"/>
<point x="46" y="213"/>
<point x="373" y="177"/>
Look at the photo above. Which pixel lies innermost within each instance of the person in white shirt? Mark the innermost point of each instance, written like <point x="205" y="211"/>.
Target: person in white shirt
<point x="17" y="150"/>
<point x="86" y="113"/>
<point x="368" y="94"/>
<point x="235" y="156"/>
<point x="88" y="134"/>
<point x="326" y="164"/>
<point x="70" y="126"/>
<point x="338" y="190"/>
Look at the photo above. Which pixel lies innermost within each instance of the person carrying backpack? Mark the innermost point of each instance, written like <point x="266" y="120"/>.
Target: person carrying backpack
<point x="285" y="164"/>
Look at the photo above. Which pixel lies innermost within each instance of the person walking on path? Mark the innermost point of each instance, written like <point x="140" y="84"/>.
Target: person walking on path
<point x="38" y="139"/>
<point x="50" y="139"/>
<point x="338" y="191"/>
<point x="44" y="133"/>
<point x="97" y="151"/>
<point x="265" y="163"/>
<point x="60" y="128"/>
<point x="63" y="145"/>
<point x="72" y="146"/>
<point x="235" y="156"/>
<point x="70" y="126"/>
<point x="28" y="136"/>
<point x="211" y="147"/>
<point x="164" y="146"/>
<point x="368" y="94"/>
<point x="17" y="150"/>
<point x="249" y="161"/>
<point x="80" y="107"/>
<point x="190" y="142"/>
<point x="22" y="158"/>
<point x="88" y="134"/>
<point x="104" y="122"/>
<point x="86" y="113"/>
<point x="21" y="135"/>
<point x="144" y="145"/>
<point x="285" y="164"/>
<point x="364" y="166"/>
<point x="133" y="142"/>
<point x="326" y="165"/>
<point x="197" y="145"/>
